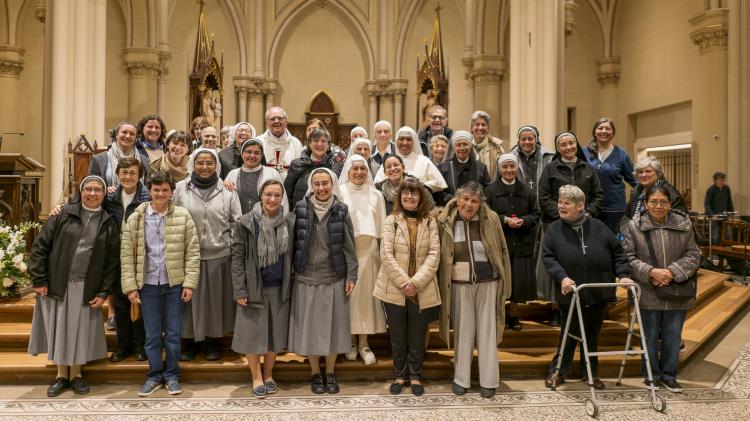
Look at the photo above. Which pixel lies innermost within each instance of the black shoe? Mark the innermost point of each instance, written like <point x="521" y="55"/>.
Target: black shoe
<point x="332" y="385"/>
<point x="417" y="389"/>
<point x="598" y="384"/>
<point x="188" y="350"/>
<point x="213" y="350"/>
<point x="80" y="386"/>
<point x="397" y="387"/>
<point x="487" y="392"/>
<point x="513" y="323"/>
<point x="554" y="380"/>
<point x="119" y="354"/>
<point x="140" y="354"/>
<point x="672" y="386"/>
<point x="458" y="390"/>
<point x="555" y="322"/>
<point x="57" y="387"/>
<point x="316" y="384"/>
<point x="651" y="384"/>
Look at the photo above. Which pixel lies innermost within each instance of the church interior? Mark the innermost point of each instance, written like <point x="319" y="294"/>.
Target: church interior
<point x="673" y="74"/>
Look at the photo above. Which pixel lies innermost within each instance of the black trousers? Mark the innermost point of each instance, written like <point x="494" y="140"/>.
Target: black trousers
<point x="593" y="317"/>
<point x="408" y="326"/>
<point x="129" y="333"/>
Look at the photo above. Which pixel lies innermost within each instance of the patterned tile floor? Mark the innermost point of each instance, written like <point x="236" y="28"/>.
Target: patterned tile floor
<point x="717" y="388"/>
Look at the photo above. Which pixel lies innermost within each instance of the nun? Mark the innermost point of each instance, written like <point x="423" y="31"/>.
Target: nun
<point x="325" y="263"/>
<point x="415" y="163"/>
<point x="247" y="179"/>
<point x="262" y="250"/>
<point x="367" y="212"/>
<point x="73" y="265"/>
<point x="211" y="312"/>
<point x="363" y="148"/>
<point x="516" y="206"/>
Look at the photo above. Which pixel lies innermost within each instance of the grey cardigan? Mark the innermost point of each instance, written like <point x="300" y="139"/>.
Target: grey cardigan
<point x="246" y="277"/>
<point x="676" y="250"/>
<point x="213" y="217"/>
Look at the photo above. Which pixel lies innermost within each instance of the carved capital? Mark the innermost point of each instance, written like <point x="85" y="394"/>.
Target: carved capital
<point x="608" y="72"/>
<point x="571" y="14"/>
<point x="11" y="61"/>
<point x="40" y="11"/>
<point x="713" y="30"/>
<point x="148" y="63"/>
<point x="488" y="69"/>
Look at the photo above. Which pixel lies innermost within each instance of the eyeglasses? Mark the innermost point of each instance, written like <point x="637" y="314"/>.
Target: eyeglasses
<point x="277" y="118"/>
<point x="93" y="190"/>
<point x="437" y="117"/>
<point x="409" y="193"/>
<point x="657" y="203"/>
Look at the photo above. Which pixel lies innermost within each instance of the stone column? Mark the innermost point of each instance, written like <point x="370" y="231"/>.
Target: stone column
<point x="372" y="106"/>
<point x="709" y="111"/>
<point x="11" y="66"/>
<point x="486" y="76"/>
<point x="608" y="75"/>
<point x="145" y="67"/>
<point x="74" y="60"/>
<point x="536" y="32"/>
<point x="385" y="111"/>
<point x="241" y="87"/>
<point x="398" y="88"/>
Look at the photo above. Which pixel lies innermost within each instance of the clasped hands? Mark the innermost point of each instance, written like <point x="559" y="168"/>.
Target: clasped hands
<point x="514" y="222"/>
<point x="408" y="288"/>
<point x="661" y="277"/>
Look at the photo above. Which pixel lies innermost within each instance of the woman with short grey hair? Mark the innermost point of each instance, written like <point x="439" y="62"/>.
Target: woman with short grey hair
<point x="578" y="249"/>
<point x="649" y="172"/>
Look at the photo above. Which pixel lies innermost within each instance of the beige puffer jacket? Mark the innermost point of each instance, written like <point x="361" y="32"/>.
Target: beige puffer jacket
<point x="181" y="247"/>
<point x="394" y="257"/>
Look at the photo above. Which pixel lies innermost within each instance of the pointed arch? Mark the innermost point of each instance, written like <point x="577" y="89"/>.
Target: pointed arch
<point x="288" y="25"/>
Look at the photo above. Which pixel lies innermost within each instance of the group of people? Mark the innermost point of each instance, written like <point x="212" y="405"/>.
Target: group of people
<point x="307" y="248"/>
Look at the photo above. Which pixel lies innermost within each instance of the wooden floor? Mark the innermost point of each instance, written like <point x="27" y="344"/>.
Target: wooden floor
<point x="522" y="354"/>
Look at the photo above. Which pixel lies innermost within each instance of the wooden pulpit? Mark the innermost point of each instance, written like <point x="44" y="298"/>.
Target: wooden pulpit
<point x="19" y="188"/>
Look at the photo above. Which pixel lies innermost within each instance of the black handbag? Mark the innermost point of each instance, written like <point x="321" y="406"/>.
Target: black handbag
<point x="681" y="291"/>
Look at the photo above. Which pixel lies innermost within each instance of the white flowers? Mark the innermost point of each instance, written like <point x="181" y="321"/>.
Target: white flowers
<point x="13" y="266"/>
<point x="7" y="282"/>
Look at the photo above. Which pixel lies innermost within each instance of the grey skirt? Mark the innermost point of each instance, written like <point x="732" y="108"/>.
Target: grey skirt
<point x="260" y="330"/>
<point x="210" y="313"/>
<point x="319" y="319"/>
<point x="68" y="331"/>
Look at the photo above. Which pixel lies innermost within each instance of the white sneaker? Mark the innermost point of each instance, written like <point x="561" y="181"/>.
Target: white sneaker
<point x="367" y="356"/>
<point x="352" y="354"/>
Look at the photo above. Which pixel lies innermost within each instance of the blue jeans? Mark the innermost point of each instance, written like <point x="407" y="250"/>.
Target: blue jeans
<point x="667" y="326"/>
<point x="161" y="307"/>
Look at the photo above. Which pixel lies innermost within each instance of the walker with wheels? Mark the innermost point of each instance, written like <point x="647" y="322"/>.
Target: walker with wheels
<point x="592" y="408"/>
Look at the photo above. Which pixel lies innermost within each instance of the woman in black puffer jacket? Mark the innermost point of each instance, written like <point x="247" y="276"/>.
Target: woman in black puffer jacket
<point x="317" y="154"/>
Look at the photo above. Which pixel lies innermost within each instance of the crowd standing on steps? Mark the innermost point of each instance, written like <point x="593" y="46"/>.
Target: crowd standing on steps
<point x="304" y="246"/>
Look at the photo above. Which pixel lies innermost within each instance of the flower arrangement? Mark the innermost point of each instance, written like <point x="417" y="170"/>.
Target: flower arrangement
<point x="13" y="258"/>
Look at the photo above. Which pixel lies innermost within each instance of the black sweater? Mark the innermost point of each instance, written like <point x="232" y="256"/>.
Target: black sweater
<point x="599" y="258"/>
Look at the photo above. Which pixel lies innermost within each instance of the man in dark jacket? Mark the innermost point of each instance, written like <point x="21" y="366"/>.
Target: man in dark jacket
<point x="581" y="250"/>
<point x="438" y="118"/>
<point x="718" y="201"/>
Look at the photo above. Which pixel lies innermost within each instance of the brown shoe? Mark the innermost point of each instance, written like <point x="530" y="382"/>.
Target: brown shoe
<point x="554" y="380"/>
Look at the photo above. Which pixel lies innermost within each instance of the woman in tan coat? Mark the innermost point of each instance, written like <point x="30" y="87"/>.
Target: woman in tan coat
<point x="407" y="282"/>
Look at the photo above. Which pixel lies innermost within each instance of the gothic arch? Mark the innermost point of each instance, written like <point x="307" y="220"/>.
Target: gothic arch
<point x="403" y="30"/>
<point x="604" y="10"/>
<point x="287" y="27"/>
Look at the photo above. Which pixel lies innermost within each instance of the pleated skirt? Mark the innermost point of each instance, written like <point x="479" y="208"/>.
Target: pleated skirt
<point x="319" y="319"/>
<point x="68" y="331"/>
<point x="260" y="330"/>
<point x="366" y="314"/>
<point x="211" y="311"/>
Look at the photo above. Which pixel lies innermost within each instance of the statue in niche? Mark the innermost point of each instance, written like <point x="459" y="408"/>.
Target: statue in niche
<point x="207" y="107"/>
<point x="217" y="111"/>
